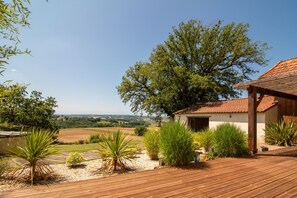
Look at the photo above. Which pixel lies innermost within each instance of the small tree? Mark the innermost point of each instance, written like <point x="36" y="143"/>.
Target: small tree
<point x="38" y="146"/>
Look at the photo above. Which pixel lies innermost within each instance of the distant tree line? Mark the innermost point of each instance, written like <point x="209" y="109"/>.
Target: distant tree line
<point x="89" y="122"/>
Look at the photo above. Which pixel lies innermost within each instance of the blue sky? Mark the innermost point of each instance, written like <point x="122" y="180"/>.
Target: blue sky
<point x="82" y="48"/>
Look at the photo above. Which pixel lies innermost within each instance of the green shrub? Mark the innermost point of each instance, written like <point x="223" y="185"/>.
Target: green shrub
<point x="95" y="138"/>
<point x="230" y="141"/>
<point x="74" y="159"/>
<point x="140" y="130"/>
<point x="176" y="144"/>
<point x="281" y="133"/>
<point x="151" y="142"/>
<point x="80" y="142"/>
<point x="204" y="138"/>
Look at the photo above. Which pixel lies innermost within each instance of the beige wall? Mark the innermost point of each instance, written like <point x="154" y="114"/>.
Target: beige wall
<point x="239" y="119"/>
<point x="7" y="144"/>
<point x="271" y="115"/>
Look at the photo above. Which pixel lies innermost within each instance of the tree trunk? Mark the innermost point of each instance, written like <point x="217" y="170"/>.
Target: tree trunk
<point x="32" y="173"/>
<point x="115" y="164"/>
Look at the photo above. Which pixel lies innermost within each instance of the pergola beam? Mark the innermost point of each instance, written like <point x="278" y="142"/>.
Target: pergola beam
<point x="286" y="78"/>
<point x="265" y="91"/>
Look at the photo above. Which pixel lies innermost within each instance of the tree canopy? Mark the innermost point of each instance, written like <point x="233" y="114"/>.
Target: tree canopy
<point x="196" y="63"/>
<point x="13" y="14"/>
<point x="18" y="109"/>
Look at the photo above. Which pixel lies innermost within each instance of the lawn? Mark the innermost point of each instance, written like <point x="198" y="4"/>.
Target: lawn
<point x="76" y="134"/>
<point x="67" y="148"/>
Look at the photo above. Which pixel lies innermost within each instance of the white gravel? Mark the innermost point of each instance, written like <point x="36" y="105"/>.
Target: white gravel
<point x="89" y="170"/>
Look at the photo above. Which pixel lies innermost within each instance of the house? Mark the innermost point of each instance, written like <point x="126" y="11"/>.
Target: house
<point x="234" y="111"/>
<point x="270" y="108"/>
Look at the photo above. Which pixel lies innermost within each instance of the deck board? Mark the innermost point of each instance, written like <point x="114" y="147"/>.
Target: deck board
<point x="265" y="175"/>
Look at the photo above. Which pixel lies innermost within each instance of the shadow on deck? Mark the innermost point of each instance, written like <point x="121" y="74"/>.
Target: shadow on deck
<point x="269" y="174"/>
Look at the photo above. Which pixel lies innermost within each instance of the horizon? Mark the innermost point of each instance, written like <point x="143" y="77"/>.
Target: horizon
<point x="80" y="53"/>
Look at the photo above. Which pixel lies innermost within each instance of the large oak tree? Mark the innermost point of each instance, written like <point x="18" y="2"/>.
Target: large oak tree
<point x="197" y="63"/>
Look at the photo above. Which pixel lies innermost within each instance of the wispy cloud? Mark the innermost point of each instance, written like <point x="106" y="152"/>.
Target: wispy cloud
<point x="13" y="70"/>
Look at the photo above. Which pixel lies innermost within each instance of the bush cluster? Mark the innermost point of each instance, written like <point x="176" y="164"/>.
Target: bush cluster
<point x="140" y="130"/>
<point x="95" y="138"/>
<point x="151" y="142"/>
<point x="227" y="140"/>
<point x="176" y="144"/>
<point x="281" y="133"/>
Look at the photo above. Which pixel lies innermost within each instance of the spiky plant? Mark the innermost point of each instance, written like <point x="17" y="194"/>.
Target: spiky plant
<point x="115" y="150"/>
<point x="38" y="146"/>
<point x="281" y="133"/>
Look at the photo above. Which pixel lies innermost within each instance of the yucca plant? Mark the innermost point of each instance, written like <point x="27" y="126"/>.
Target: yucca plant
<point x="281" y="133"/>
<point x="151" y="141"/>
<point x="176" y="144"/>
<point x="115" y="150"/>
<point x="38" y="146"/>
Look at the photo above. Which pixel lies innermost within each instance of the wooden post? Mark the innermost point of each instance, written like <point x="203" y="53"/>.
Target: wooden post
<point x="252" y="119"/>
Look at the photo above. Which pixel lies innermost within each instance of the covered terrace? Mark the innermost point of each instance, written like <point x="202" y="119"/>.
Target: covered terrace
<point x="280" y="81"/>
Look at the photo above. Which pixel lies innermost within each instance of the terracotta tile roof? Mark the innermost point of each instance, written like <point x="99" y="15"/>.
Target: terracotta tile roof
<point x="281" y="67"/>
<point x="239" y="105"/>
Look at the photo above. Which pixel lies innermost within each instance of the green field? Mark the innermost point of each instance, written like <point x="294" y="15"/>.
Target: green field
<point x="61" y="148"/>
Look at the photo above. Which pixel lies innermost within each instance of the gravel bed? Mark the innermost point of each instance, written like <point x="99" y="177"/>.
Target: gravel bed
<point x="88" y="170"/>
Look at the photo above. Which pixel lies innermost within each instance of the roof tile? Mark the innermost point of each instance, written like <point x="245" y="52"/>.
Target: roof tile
<point x="239" y="105"/>
<point x="281" y="67"/>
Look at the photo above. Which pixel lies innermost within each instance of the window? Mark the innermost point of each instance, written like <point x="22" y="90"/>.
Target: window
<point x="198" y="123"/>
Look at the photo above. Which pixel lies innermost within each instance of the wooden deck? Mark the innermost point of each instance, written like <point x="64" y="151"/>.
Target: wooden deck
<point x="269" y="175"/>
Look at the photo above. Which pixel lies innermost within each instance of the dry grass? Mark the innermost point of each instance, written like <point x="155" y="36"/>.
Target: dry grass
<point x="76" y="134"/>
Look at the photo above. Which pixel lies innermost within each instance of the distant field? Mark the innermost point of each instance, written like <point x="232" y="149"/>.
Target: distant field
<point x="76" y="134"/>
